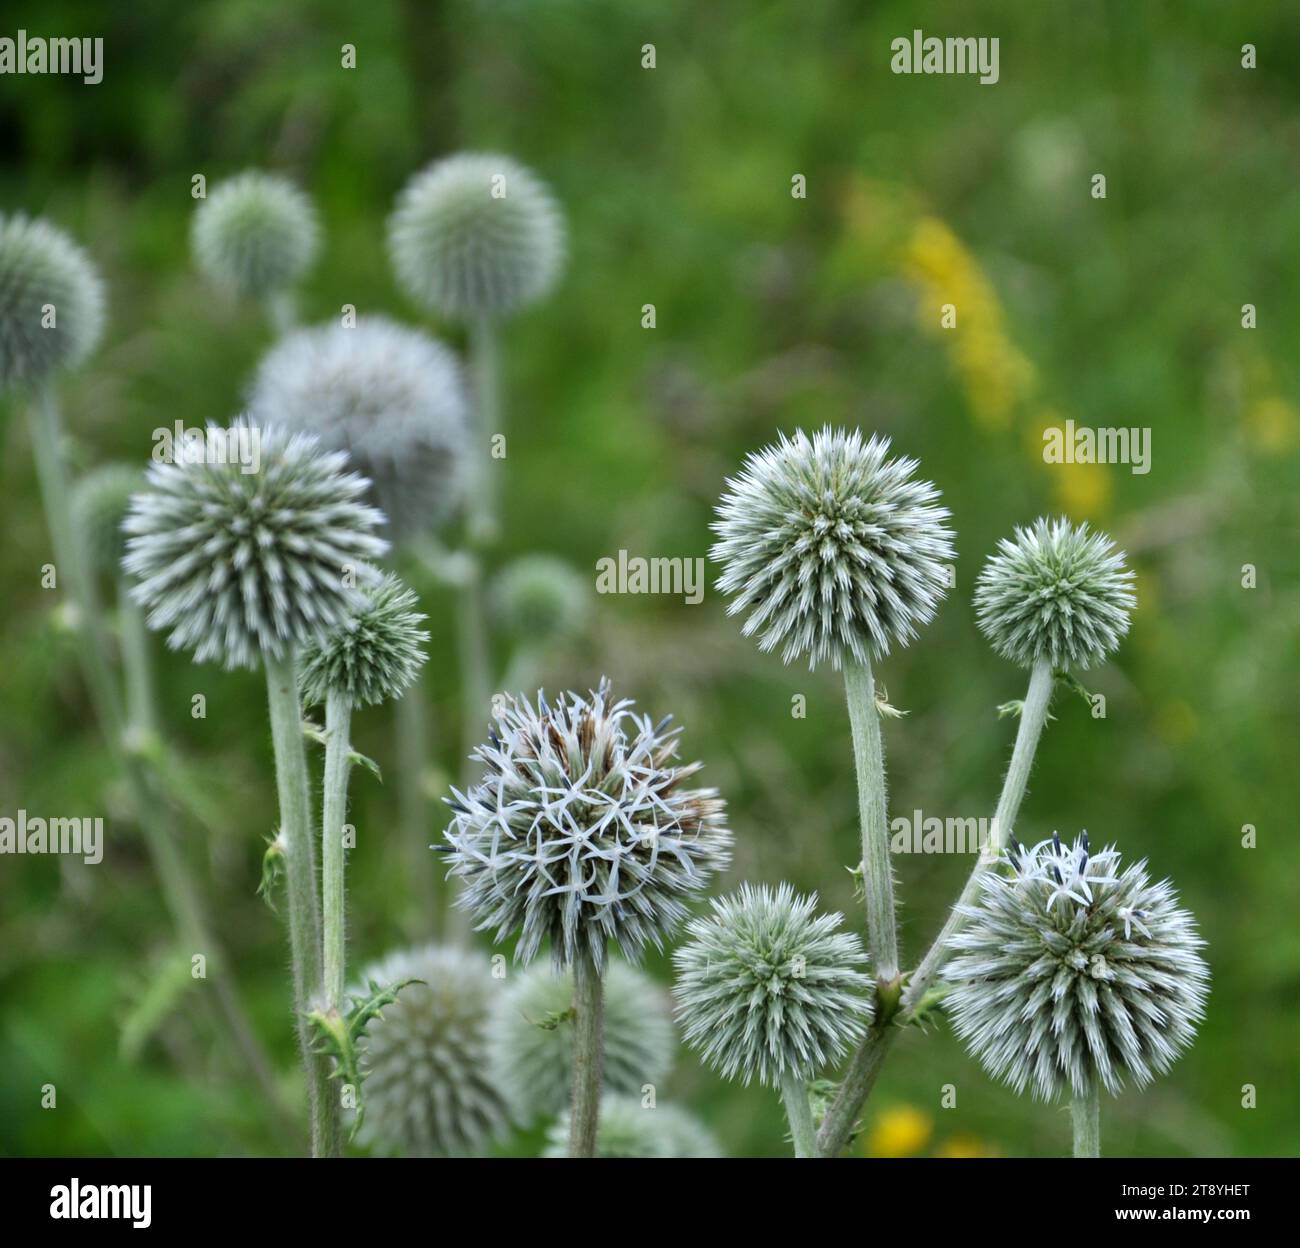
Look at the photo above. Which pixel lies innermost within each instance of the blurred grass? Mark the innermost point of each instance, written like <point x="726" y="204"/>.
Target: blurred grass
<point x="771" y="313"/>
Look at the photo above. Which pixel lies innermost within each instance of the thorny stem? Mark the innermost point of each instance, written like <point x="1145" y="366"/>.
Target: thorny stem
<point x="794" y="1092"/>
<point x="588" y="1055"/>
<point x="856" y="1086"/>
<point x="485" y="370"/>
<point x="1085" y="1114"/>
<point x="338" y="717"/>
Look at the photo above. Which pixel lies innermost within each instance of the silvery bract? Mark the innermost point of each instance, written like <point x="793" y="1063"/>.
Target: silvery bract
<point x="833" y="550"/>
<point x="1071" y="969"/>
<point x="765" y="985"/>
<point x="629" y="1128"/>
<point x="1057" y="593"/>
<point x="426" y="1087"/>
<point x="236" y="564"/>
<point x="583" y="830"/>
<point x="100" y="502"/>
<point x="392" y="397"/>
<point x="51" y="302"/>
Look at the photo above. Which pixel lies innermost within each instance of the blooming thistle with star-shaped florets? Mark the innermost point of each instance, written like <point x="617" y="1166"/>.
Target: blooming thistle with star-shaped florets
<point x="583" y="830"/>
<point x="1072" y="971"/>
<point x="832" y="549"/>
<point x="1055" y="593"/>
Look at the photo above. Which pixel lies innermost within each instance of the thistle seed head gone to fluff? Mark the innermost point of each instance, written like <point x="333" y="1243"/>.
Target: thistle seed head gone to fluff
<point x="627" y="1128"/>
<point x="239" y="564"/>
<point x="476" y="236"/>
<point x="1071" y="971"/>
<point x="374" y="656"/>
<point x="539" y="598"/>
<point x="51" y="302"/>
<point x="426" y="1089"/>
<point x="100" y="502"/>
<point x="255" y="234"/>
<point x="833" y="550"/>
<point x="392" y="397"/>
<point x="583" y="830"/>
<point x="765" y="985"/>
<point x="1055" y="592"/>
<point x="530" y="1045"/>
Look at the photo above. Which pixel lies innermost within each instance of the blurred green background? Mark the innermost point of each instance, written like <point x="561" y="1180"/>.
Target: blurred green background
<point x="772" y="313"/>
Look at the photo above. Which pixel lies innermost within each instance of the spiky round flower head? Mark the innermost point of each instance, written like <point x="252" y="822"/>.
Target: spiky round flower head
<point x="372" y="657"/>
<point x="539" y="598"/>
<point x="255" y="234"/>
<point x="833" y="549"/>
<point x="766" y="985"/>
<point x="1071" y="970"/>
<point x="530" y="1047"/>
<point x="1055" y="592"/>
<point x="583" y="829"/>
<point x="100" y="501"/>
<point x="426" y="1089"/>
<point x="392" y="397"/>
<point x="240" y="564"/>
<point x="476" y="236"/>
<point x="629" y="1129"/>
<point x="51" y="301"/>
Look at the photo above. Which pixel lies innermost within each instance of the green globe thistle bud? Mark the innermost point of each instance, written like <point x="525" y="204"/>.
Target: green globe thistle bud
<point x="1071" y="972"/>
<point x="1057" y="593"/>
<point x="629" y="1129"/>
<point x="240" y="564"/>
<point x="582" y="830"/>
<point x="51" y="302"/>
<point x="374" y="656"/>
<point x="476" y="236"/>
<point x="393" y="398"/>
<point x="530" y="1047"/>
<point x="426" y="1089"/>
<point x="835" y="551"/>
<point x="100" y="502"/>
<point x="255" y="234"/>
<point x="767" y="986"/>
<point x="539" y="598"/>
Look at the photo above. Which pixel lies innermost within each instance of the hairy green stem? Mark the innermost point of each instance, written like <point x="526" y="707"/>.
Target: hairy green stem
<point x="485" y="370"/>
<point x="588" y="1055"/>
<point x="1085" y="1114"/>
<point x="475" y="681"/>
<point x="857" y="1084"/>
<point x="137" y="665"/>
<point x="300" y="878"/>
<point x="794" y="1092"/>
<point x="338" y="719"/>
<point x="415" y="804"/>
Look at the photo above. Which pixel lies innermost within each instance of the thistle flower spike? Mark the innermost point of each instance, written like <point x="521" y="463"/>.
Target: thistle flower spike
<point x="630" y="1129"/>
<point x="1055" y="592"/>
<point x="539" y="598"/>
<point x="100" y="502"/>
<point x="832" y="549"/>
<point x="583" y="830"/>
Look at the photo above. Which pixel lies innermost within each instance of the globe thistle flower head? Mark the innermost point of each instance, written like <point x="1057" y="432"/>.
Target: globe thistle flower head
<point x="833" y="550"/>
<point x="255" y="234"/>
<point x="765" y="985"/>
<point x="374" y="656"/>
<point x="539" y="598"/>
<point x="627" y="1128"/>
<point x="426" y="1089"/>
<point x="392" y="397"/>
<point x="1056" y="593"/>
<point x="238" y="564"/>
<point x="100" y="502"/>
<point x="530" y="1046"/>
<point x="51" y="302"/>
<point x="476" y="236"/>
<point x="583" y="829"/>
<point x="1072" y="969"/>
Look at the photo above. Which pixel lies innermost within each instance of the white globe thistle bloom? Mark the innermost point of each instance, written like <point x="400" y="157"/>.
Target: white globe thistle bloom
<point x="476" y="236"/>
<point x="539" y="598"/>
<point x="1072" y="971"/>
<point x="240" y="564"/>
<point x="255" y="234"/>
<point x="630" y="1129"/>
<point x="767" y="987"/>
<point x="374" y="656"/>
<point x="583" y="830"/>
<point x="1056" y="593"/>
<point x="530" y="1046"/>
<point x="426" y="1088"/>
<point x="100" y="502"/>
<point x="392" y="397"/>
<point x="833" y="550"/>
<point x="51" y="302"/>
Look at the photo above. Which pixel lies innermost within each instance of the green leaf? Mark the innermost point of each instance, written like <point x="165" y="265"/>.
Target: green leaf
<point x="154" y="999"/>
<point x="272" y="870"/>
<point x="357" y="759"/>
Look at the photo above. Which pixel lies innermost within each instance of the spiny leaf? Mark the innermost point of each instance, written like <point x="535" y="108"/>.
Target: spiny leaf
<point x="272" y="870"/>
